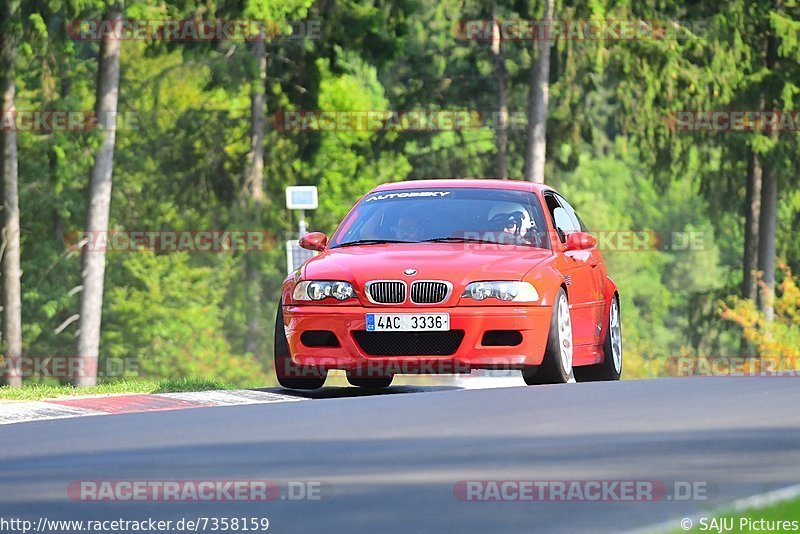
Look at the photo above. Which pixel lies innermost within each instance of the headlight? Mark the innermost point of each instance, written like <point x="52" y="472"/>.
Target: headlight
<point x="501" y="290"/>
<point x="319" y="290"/>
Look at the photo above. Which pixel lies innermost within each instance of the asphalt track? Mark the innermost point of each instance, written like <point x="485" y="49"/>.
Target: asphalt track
<point x="389" y="462"/>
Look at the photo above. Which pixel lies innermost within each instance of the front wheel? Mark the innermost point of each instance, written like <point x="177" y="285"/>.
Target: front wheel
<point x="291" y="375"/>
<point x="556" y="366"/>
<point x="611" y="366"/>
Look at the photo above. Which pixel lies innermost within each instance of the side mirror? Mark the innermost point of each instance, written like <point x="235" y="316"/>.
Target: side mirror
<point x="314" y="241"/>
<point x="580" y="241"/>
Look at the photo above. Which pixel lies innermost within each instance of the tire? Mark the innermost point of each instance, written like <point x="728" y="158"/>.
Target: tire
<point x="611" y="366"/>
<point x="291" y="375"/>
<point x="370" y="382"/>
<point x="556" y="366"/>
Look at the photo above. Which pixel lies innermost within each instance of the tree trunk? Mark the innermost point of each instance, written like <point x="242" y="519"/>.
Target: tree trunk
<point x="12" y="293"/>
<point x="768" y="216"/>
<point x="539" y="93"/>
<point x="254" y="181"/>
<point x="94" y="266"/>
<point x="751" y="216"/>
<point x="766" y="240"/>
<point x="501" y="124"/>
<point x="752" y="212"/>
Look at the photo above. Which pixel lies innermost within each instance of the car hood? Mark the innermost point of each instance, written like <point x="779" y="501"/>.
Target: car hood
<point x="458" y="263"/>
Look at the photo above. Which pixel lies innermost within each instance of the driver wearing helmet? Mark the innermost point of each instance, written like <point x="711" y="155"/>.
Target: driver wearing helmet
<point x="513" y="226"/>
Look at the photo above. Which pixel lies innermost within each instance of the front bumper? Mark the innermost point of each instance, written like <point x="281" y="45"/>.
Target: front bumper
<point x="532" y="322"/>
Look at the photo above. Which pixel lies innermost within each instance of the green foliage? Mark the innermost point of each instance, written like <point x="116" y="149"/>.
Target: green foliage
<point x="167" y="316"/>
<point x="658" y="282"/>
<point x="346" y="164"/>
<point x="779" y="338"/>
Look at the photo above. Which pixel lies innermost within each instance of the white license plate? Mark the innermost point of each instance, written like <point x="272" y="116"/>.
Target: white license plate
<point x="408" y="322"/>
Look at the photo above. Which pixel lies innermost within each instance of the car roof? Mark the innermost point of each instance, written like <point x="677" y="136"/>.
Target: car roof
<point x="518" y="185"/>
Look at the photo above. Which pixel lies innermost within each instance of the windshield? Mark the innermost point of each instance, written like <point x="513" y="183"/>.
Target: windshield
<point x="456" y="214"/>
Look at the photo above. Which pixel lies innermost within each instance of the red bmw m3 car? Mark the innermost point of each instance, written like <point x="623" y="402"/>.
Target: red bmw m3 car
<point x="447" y="276"/>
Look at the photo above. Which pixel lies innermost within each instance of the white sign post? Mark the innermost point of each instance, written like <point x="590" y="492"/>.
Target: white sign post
<point x="300" y="198"/>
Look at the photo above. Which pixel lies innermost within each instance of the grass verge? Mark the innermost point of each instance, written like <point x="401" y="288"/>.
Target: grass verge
<point x="38" y="391"/>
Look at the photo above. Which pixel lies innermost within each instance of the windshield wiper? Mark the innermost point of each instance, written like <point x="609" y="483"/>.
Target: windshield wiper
<point x="371" y="242"/>
<point x="455" y="239"/>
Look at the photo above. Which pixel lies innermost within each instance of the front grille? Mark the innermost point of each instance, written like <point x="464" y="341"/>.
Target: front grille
<point x="409" y="343"/>
<point x="387" y="292"/>
<point x="425" y="292"/>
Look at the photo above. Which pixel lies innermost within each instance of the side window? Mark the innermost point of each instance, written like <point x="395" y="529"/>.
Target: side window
<point x="564" y="222"/>
<point x="561" y="219"/>
<point x="577" y="223"/>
